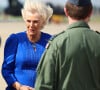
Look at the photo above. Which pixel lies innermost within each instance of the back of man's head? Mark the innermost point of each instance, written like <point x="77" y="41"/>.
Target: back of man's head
<point x="80" y="2"/>
<point x="79" y="9"/>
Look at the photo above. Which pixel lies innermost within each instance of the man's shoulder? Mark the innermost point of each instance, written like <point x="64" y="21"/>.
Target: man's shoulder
<point x="56" y="36"/>
<point x="53" y="38"/>
<point x="97" y="32"/>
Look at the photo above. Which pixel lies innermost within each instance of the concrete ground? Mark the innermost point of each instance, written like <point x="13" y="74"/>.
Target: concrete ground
<point x="6" y="28"/>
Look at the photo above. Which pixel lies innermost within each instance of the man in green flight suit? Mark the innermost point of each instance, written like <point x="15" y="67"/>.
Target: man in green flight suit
<point x="72" y="59"/>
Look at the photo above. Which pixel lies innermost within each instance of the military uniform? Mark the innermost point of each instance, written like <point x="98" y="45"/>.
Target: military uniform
<point x="71" y="61"/>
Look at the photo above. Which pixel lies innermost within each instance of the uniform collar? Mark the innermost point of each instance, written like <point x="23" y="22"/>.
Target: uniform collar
<point x="78" y="25"/>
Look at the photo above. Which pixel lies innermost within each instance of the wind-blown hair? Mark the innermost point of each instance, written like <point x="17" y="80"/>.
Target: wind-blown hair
<point x="42" y="9"/>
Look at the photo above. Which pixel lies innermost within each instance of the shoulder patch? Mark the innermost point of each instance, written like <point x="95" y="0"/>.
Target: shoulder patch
<point x="49" y="42"/>
<point x="47" y="45"/>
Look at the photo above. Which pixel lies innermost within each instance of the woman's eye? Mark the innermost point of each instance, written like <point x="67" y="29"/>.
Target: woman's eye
<point x="37" y="21"/>
<point x="28" y="20"/>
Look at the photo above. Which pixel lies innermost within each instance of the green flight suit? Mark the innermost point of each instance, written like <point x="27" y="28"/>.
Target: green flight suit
<point x="71" y="61"/>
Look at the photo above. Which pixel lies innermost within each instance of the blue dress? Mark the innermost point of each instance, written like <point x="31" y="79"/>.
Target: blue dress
<point x="21" y="58"/>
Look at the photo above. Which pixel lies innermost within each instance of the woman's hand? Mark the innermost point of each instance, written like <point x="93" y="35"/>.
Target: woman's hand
<point x="24" y="87"/>
<point x="18" y="86"/>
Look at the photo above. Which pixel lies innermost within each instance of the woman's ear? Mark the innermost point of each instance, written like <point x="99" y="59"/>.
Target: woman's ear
<point x="65" y="10"/>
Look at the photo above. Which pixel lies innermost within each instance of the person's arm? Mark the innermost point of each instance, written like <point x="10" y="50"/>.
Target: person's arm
<point x="9" y="59"/>
<point x="46" y="70"/>
<point x="8" y="65"/>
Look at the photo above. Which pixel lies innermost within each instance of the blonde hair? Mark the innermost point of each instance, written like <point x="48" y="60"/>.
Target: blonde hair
<point x="39" y="7"/>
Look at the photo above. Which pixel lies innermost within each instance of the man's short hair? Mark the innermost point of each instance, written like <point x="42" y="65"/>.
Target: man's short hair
<point x="78" y="12"/>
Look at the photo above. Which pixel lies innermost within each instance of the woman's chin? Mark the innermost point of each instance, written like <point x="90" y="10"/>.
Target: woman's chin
<point x="33" y="34"/>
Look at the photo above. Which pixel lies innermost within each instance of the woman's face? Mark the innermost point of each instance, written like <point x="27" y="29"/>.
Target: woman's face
<point x="34" y="23"/>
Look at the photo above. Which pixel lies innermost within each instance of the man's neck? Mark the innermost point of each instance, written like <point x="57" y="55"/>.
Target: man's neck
<point x="71" y="20"/>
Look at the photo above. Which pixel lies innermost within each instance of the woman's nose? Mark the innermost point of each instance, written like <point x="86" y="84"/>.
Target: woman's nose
<point x="31" y="23"/>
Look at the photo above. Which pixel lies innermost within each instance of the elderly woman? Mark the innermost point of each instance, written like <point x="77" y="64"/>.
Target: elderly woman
<point x="23" y="50"/>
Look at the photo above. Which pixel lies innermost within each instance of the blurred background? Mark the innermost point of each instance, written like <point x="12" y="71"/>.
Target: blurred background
<point x="10" y="9"/>
<point x="12" y="22"/>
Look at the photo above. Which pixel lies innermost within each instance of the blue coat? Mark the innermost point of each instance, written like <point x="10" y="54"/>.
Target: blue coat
<point x="21" y="58"/>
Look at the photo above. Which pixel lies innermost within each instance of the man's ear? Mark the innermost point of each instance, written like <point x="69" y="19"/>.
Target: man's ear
<point x="90" y="13"/>
<point x="65" y="10"/>
<point x="88" y="17"/>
